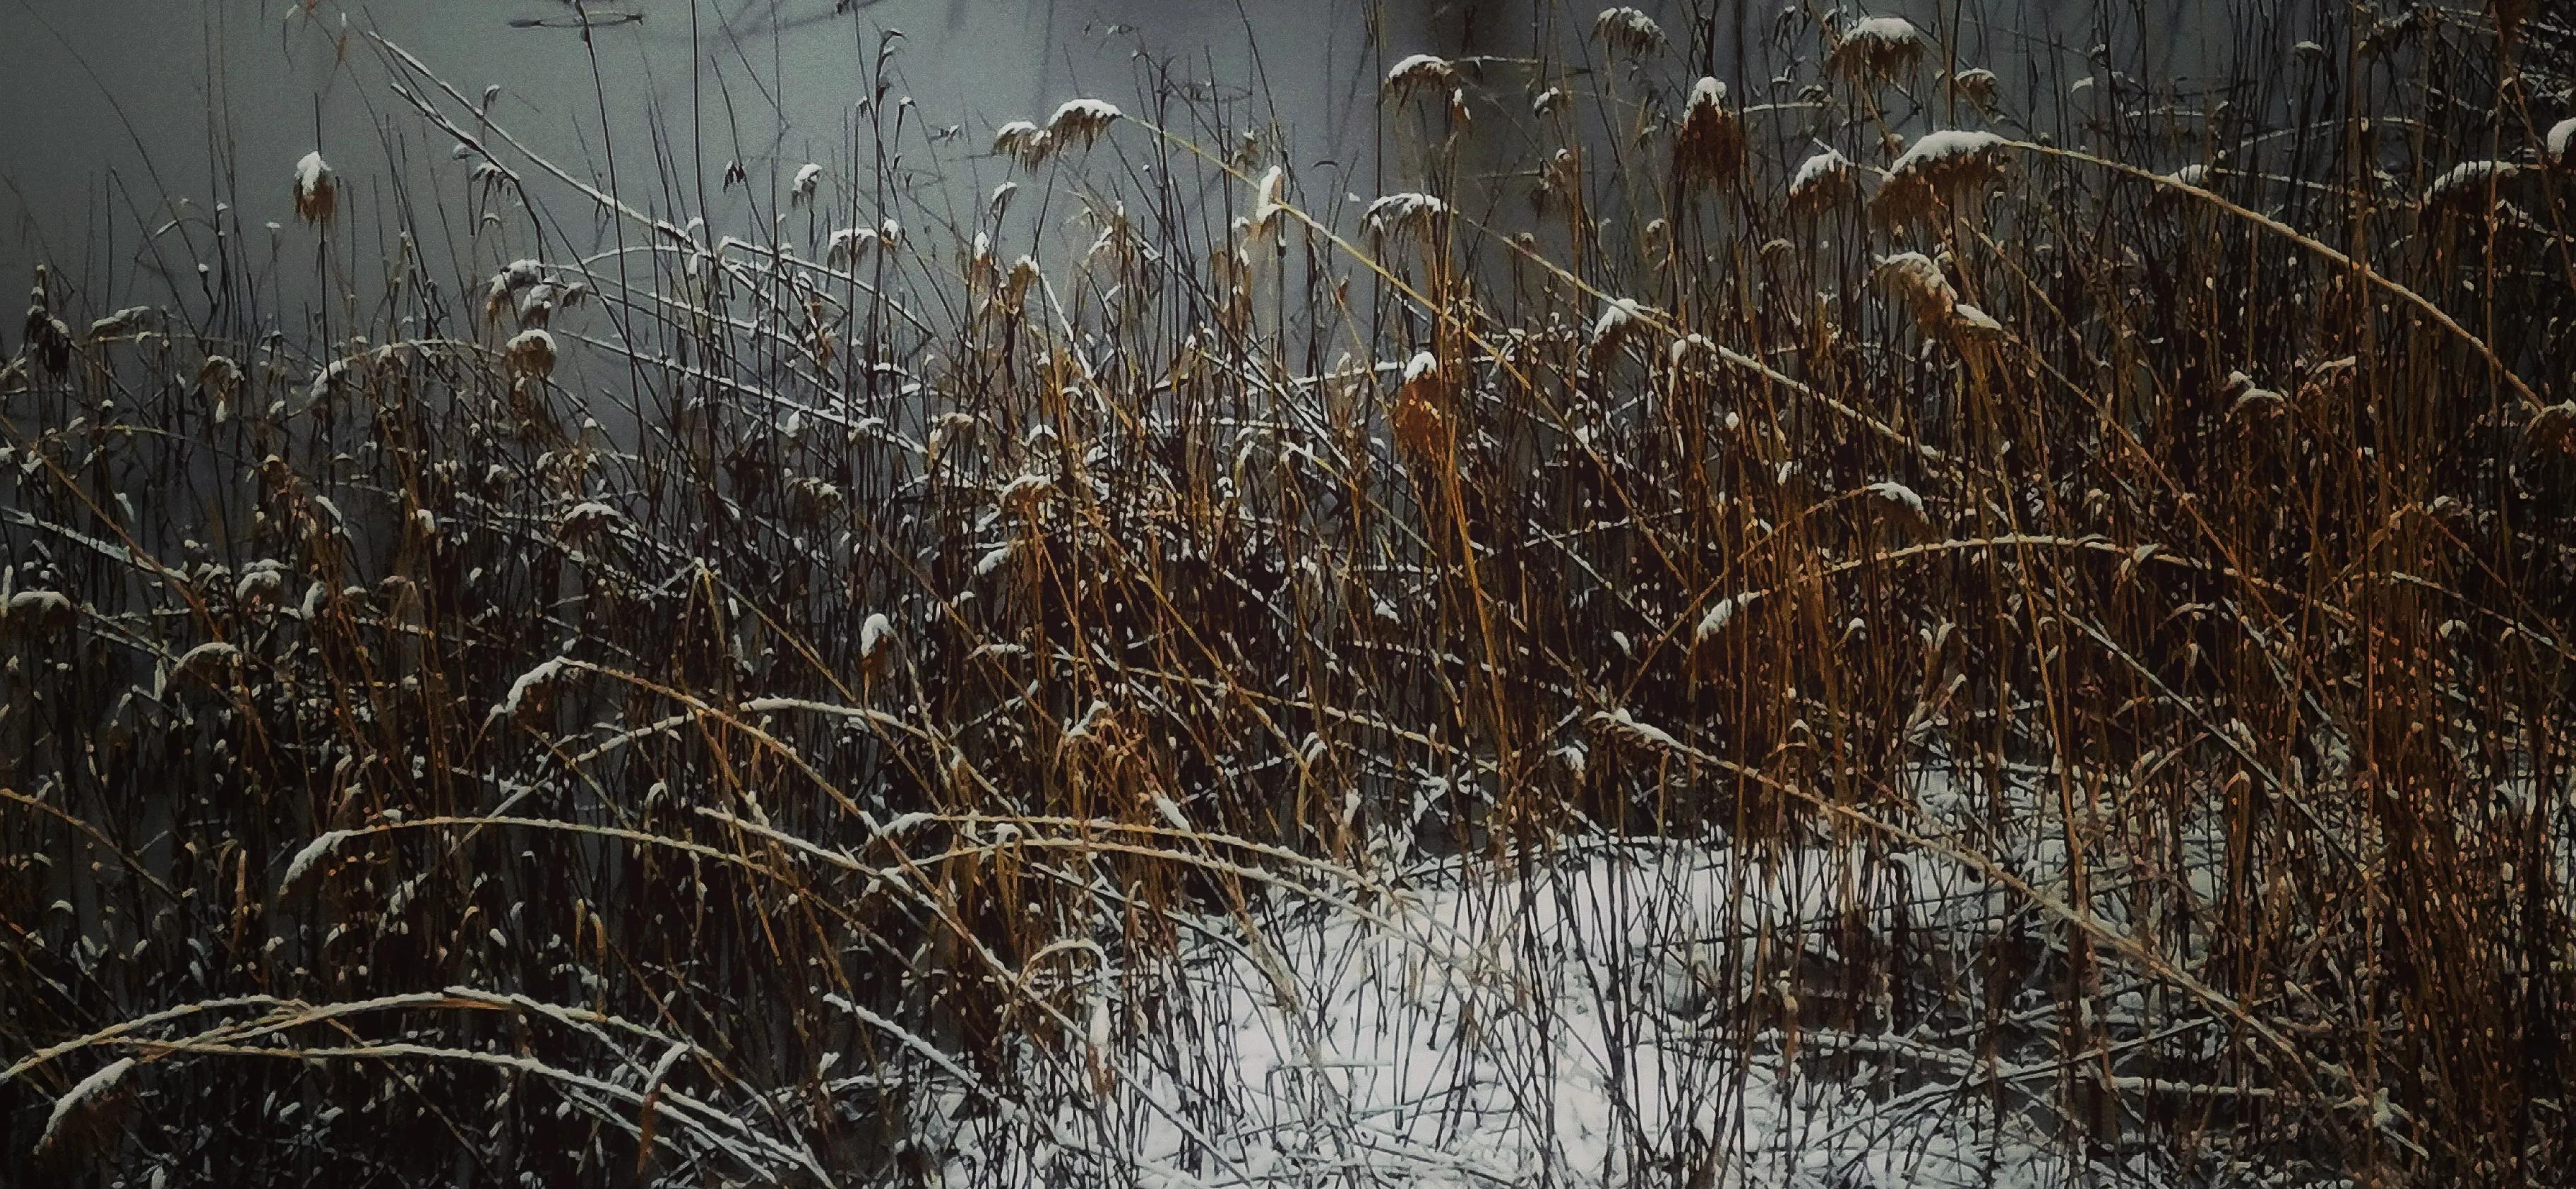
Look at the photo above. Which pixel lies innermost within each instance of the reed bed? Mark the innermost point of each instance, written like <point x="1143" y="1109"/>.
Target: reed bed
<point x="1890" y="619"/>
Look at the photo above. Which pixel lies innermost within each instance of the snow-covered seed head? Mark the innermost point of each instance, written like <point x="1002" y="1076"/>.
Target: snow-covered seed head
<point x="219" y="377"/>
<point x="300" y="870"/>
<point x="526" y="698"/>
<point x="334" y="378"/>
<point x="1024" y="495"/>
<point x="1943" y="166"/>
<point x="1408" y="212"/>
<point x="1022" y="141"/>
<point x="1560" y="181"/>
<point x="1269" y="202"/>
<point x="49" y="334"/>
<point x="1969" y="325"/>
<point x="2552" y="429"/>
<point x="1917" y="281"/>
<point x="1016" y="283"/>
<point x="211" y="662"/>
<point x="876" y="644"/>
<point x="131" y="320"/>
<point x="1709" y="148"/>
<point x="37" y="614"/>
<point x="317" y="196"/>
<point x="2173" y="191"/>
<point x="1080" y="122"/>
<point x="585" y="520"/>
<point x="1821" y="182"/>
<point x="491" y="177"/>
<point x="1977" y="85"/>
<point x="1898" y="495"/>
<point x="1420" y="74"/>
<point x="1628" y="30"/>
<point x="808" y="180"/>
<point x="2469" y="188"/>
<point x="1423" y="364"/>
<point x="537" y="305"/>
<point x="83" y="1112"/>
<point x="1898" y="506"/>
<point x="849" y="245"/>
<point x="1621" y="723"/>
<point x="1720" y="613"/>
<point x="811" y="500"/>
<point x="1423" y="411"/>
<point x="532" y="353"/>
<point x="262" y="581"/>
<point x="1876" y="50"/>
<point x="1950" y="152"/>
<point x="1619" y="319"/>
<point x="501" y="296"/>
<point x="2251" y="401"/>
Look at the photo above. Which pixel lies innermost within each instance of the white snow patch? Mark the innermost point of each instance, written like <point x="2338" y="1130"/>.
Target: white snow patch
<point x="1268" y="203"/>
<point x="1625" y="723"/>
<point x="313" y="852"/>
<point x="1082" y="119"/>
<point x="1420" y="70"/>
<point x="1890" y="32"/>
<point x="2194" y="175"/>
<point x="80" y="1095"/>
<point x="42" y="606"/>
<point x="1019" y="138"/>
<point x="1721" y="613"/>
<point x="311" y="173"/>
<point x="2468" y="181"/>
<point x="1628" y="27"/>
<point x="532" y="349"/>
<point x="1821" y="169"/>
<point x="1617" y="318"/>
<point x="527" y="686"/>
<point x="204" y="659"/>
<point x="1898" y="493"/>
<point x="1558" y="1018"/>
<point x="1707" y="93"/>
<point x="1976" y="323"/>
<point x="587" y="517"/>
<point x="1396" y="211"/>
<point x="1422" y="364"/>
<point x="875" y="635"/>
<point x="1939" y="148"/>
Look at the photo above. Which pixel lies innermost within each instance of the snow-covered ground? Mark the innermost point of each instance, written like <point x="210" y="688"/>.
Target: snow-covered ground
<point x="1627" y="1013"/>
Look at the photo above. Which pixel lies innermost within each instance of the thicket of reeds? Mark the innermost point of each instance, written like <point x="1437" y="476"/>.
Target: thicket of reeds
<point x="575" y="695"/>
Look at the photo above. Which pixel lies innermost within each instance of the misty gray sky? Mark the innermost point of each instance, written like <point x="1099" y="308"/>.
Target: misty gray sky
<point x="119" y="108"/>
